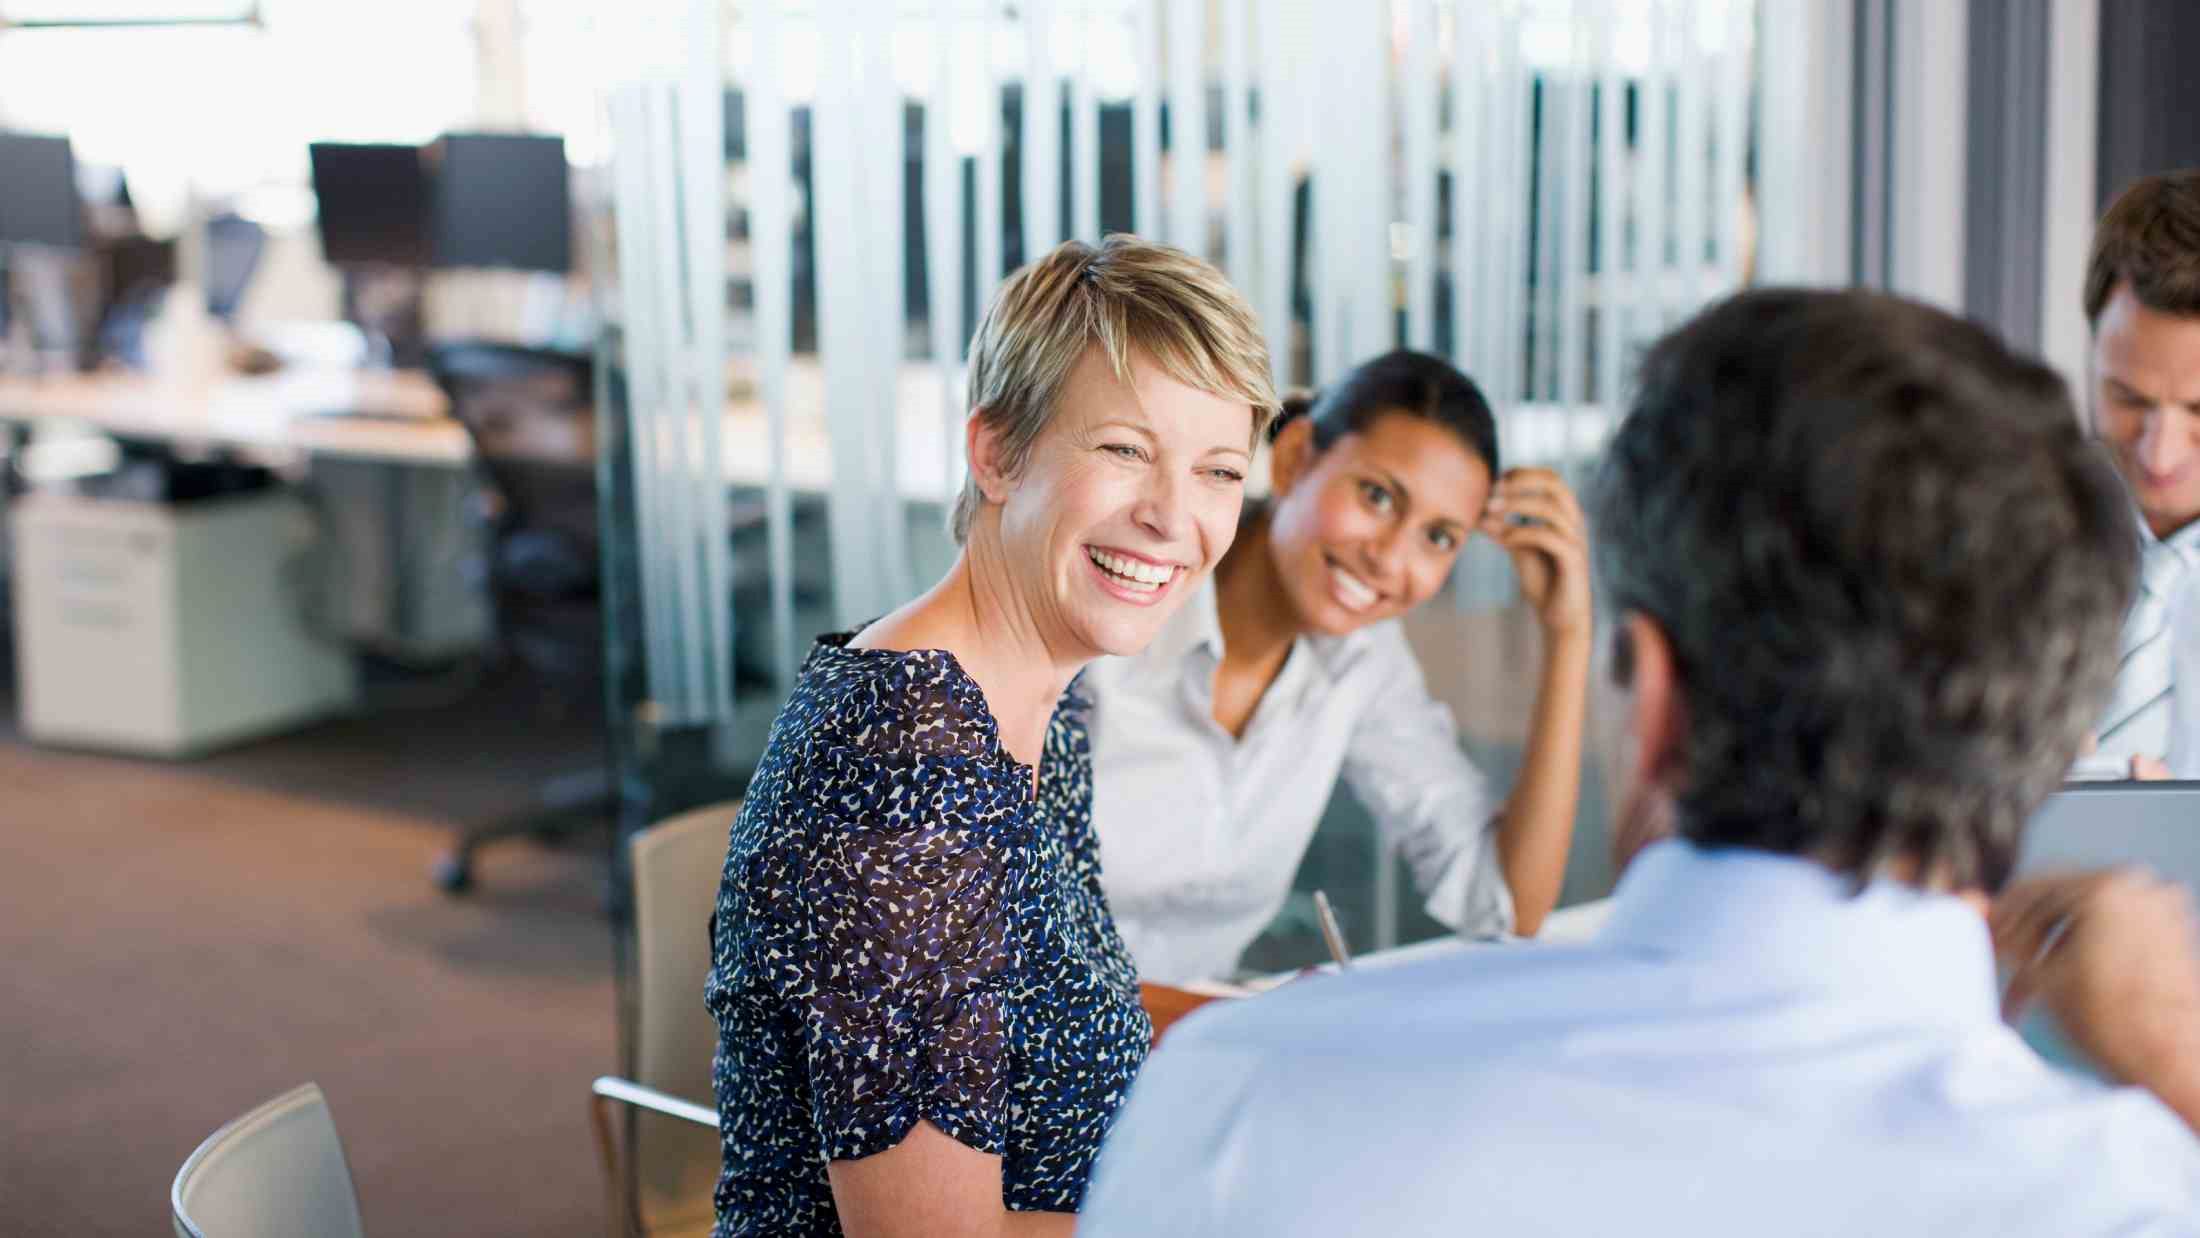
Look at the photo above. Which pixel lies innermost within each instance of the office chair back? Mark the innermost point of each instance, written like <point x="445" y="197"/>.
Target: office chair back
<point x="529" y="415"/>
<point x="276" y="1172"/>
<point x="676" y="866"/>
<point x="234" y="245"/>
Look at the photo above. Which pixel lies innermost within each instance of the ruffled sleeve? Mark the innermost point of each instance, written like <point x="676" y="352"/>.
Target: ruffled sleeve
<point x="903" y="953"/>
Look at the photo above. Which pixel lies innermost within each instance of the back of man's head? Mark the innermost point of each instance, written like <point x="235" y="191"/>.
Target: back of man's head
<point x="1890" y="568"/>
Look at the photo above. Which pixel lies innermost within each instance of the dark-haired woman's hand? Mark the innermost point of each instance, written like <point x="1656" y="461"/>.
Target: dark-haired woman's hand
<point x="1536" y="519"/>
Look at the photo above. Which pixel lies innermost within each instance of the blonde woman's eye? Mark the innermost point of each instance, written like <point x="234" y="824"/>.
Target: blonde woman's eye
<point x="1125" y="451"/>
<point x="1231" y="476"/>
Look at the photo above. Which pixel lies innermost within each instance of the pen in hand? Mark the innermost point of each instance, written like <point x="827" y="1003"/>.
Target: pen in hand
<point x="1332" y="936"/>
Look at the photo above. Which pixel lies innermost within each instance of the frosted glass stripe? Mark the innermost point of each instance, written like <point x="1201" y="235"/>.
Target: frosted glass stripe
<point x="1550" y="139"/>
<point x="637" y="272"/>
<point x="1689" y="215"/>
<point x="1613" y="279"/>
<point x="1419" y="97"/>
<point x="674" y="414"/>
<point x="846" y="333"/>
<point x="1574" y="242"/>
<point x="1573" y="254"/>
<point x="703" y="138"/>
<point x="990" y="229"/>
<point x="1468" y="108"/>
<point x="1516" y="129"/>
<point x="1145" y="120"/>
<point x="1084" y="138"/>
<point x="1187" y="227"/>
<point x="1237" y="154"/>
<point x="1276" y="146"/>
<point x="884" y="197"/>
<point x="771" y="239"/>
<point x="1657" y="157"/>
<point x="1733" y="78"/>
<point x="943" y="244"/>
<point x="1042" y="138"/>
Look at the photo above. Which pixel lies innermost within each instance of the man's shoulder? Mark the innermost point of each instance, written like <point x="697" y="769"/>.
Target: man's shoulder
<point x="1452" y="990"/>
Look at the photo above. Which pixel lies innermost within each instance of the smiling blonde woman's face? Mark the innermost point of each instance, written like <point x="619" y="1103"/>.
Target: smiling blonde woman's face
<point x="1129" y="498"/>
<point x="1369" y="528"/>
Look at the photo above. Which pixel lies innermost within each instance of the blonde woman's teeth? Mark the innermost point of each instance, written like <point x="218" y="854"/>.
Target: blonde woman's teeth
<point x="1131" y="573"/>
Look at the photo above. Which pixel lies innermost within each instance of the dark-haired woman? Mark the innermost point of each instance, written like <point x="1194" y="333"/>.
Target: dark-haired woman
<point x="1216" y="749"/>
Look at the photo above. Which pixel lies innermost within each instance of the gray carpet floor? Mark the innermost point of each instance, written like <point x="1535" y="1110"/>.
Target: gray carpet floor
<point x="186" y="940"/>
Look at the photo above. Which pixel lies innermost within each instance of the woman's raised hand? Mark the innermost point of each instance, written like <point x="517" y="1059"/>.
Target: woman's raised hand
<point x="1536" y="519"/>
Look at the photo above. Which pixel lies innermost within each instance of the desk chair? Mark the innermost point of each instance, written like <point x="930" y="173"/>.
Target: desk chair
<point x="135" y="273"/>
<point x="234" y="245"/>
<point x="671" y="1137"/>
<point x="527" y="412"/>
<point x="276" y="1172"/>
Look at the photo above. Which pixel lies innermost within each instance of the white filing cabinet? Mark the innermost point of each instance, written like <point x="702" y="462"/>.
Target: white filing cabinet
<point x="167" y="629"/>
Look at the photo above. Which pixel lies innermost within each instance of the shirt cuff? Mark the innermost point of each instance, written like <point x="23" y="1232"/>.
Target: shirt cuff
<point x="1471" y="896"/>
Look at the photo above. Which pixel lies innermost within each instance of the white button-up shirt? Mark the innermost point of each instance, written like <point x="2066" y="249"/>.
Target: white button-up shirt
<point x="1201" y="833"/>
<point x="2183" y="757"/>
<point x="1744" y="1049"/>
<point x="2171" y="730"/>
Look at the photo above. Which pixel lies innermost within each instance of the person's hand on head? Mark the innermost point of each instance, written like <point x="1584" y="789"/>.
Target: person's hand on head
<point x="2149" y="769"/>
<point x="2115" y="957"/>
<point x="1534" y="517"/>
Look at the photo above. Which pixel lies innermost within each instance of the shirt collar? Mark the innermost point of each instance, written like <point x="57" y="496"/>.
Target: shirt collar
<point x="1331" y="653"/>
<point x="1793" y="923"/>
<point x="1198" y="625"/>
<point x="2185" y="541"/>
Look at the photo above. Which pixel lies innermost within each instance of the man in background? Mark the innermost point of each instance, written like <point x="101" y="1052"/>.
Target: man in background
<point x="1869" y="572"/>
<point x="2142" y="295"/>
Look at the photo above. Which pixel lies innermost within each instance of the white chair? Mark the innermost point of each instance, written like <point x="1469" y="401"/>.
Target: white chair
<point x="672" y="1155"/>
<point x="276" y="1172"/>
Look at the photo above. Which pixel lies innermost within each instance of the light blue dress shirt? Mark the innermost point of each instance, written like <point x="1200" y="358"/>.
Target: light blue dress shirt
<point x="1746" y="1049"/>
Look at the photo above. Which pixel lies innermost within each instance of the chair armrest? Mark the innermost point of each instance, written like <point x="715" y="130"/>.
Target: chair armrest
<point x="626" y="1091"/>
<point x="621" y="1207"/>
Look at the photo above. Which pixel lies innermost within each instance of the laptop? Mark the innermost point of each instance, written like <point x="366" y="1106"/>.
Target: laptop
<point x="2104" y="825"/>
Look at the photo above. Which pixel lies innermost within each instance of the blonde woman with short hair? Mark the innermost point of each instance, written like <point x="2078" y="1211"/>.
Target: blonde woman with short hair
<point x="926" y="1017"/>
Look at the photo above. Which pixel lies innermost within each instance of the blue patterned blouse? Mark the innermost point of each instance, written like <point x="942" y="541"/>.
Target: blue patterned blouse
<point x="905" y="932"/>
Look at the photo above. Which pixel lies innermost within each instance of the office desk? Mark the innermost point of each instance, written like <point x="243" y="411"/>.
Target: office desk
<point x="390" y="478"/>
<point x="1571" y="925"/>
<point x="1165" y="1004"/>
<point x="401" y="417"/>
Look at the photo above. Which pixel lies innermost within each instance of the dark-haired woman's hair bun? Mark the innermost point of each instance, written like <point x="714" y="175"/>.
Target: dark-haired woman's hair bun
<point x="1405" y="382"/>
<point x="1296" y="404"/>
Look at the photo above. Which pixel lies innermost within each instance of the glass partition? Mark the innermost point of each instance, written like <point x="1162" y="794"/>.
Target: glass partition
<point x="811" y="202"/>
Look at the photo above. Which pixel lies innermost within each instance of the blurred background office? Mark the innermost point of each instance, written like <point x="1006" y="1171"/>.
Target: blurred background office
<point x="435" y="429"/>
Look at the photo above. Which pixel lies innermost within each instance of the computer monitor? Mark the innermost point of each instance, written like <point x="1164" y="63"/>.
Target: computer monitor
<point x="38" y="198"/>
<point x="502" y="200"/>
<point x="374" y="203"/>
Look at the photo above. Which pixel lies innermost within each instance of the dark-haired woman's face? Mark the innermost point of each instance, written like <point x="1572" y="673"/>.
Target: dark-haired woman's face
<point x="1368" y="529"/>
